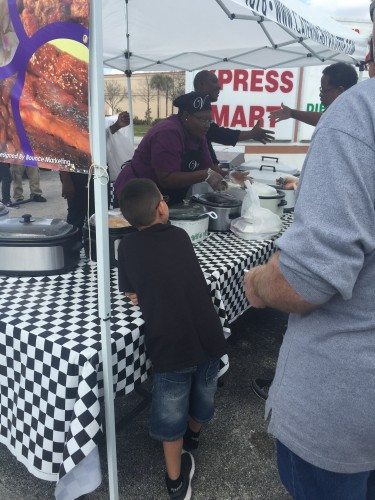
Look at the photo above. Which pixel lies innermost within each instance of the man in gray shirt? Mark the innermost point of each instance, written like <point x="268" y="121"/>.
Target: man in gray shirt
<point x="322" y="401"/>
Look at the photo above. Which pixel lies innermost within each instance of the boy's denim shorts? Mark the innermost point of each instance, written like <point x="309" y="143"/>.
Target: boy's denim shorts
<point x="180" y="394"/>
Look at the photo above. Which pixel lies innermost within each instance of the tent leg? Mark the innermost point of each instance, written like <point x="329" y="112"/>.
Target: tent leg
<point x="98" y="149"/>
<point x="130" y="102"/>
<point x="128" y="71"/>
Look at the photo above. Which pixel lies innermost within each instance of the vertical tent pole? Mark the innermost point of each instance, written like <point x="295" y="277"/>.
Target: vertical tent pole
<point x="98" y="148"/>
<point x="128" y="72"/>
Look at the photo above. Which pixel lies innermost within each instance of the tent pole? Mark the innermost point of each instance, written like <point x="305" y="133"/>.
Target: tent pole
<point x="98" y="148"/>
<point x="128" y="72"/>
<point x="130" y="99"/>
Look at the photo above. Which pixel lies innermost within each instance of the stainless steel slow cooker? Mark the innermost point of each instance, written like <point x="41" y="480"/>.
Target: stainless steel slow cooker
<point x="226" y="207"/>
<point x="35" y="246"/>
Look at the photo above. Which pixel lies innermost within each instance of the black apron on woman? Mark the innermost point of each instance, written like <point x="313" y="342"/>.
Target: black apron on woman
<point x="190" y="162"/>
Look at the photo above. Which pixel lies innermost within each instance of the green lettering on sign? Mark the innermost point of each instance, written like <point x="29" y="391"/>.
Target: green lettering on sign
<point x="316" y="107"/>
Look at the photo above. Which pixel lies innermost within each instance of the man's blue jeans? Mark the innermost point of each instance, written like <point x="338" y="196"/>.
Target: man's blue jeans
<point x="305" y="481"/>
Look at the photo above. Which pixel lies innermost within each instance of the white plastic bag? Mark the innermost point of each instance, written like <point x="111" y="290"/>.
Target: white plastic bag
<point x="256" y="222"/>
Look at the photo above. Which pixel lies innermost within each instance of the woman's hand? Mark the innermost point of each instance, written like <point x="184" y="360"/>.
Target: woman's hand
<point x="215" y="180"/>
<point x="239" y="178"/>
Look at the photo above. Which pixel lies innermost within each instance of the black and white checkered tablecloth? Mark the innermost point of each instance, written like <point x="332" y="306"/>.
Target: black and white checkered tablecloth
<point x="50" y="353"/>
<point x="223" y="259"/>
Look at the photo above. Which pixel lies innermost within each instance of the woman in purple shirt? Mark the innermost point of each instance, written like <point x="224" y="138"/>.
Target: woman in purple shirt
<point x="174" y="152"/>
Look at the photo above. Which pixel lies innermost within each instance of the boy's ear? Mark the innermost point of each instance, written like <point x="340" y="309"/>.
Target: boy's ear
<point x="162" y="208"/>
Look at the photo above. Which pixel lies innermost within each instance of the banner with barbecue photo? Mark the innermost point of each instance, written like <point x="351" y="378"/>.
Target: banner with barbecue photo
<point x="44" y="60"/>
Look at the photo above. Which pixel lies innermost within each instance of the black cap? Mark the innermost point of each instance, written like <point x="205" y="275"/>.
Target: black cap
<point x="193" y="102"/>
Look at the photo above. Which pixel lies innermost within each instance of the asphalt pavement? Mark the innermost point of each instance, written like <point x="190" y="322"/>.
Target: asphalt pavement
<point x="236" y="457"/>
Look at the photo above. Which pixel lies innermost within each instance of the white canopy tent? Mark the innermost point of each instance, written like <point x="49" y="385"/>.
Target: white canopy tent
<point x="145" y="35"/>
<point x="196" y="34"/>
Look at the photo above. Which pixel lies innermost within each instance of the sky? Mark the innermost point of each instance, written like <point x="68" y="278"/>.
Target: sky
<point x="348" y="9"/>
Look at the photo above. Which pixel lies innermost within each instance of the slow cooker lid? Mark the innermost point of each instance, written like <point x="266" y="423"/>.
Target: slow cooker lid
<point x="33" y="228"/>
<point x="224" y="200"/>
<point x="184" y="211"/>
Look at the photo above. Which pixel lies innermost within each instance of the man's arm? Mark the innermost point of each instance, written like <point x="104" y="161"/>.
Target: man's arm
<point x="266" y="286"/>
<point x="230" y="137"/>
<point x="257" y="134"/>
<point x="284" y="113"/>
<point x="123" y="120"/>
<point x="68" y="190"/>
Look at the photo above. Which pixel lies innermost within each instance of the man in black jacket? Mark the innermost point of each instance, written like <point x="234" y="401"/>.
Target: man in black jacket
<point x="207" y="82"/>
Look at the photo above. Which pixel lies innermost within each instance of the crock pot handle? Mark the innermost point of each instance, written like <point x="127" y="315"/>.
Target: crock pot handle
<point x="271" y="158"/>
<point x="213" y="215"/>
<point x="282" y="203"/>
<point x="268" y="166"/>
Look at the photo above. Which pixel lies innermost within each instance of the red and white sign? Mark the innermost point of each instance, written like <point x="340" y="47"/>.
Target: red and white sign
<point x="249" y="95"/>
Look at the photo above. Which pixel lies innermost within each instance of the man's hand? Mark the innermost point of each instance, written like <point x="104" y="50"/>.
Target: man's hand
<point x="67" y="190"/>
<point x="253" y="299"/>
<point x="284" y="113"/>
<point x="122" y="121"/>
<point x="288" y="182"/>
<point x="132" y="297"/>
<point x="261" y="135"/>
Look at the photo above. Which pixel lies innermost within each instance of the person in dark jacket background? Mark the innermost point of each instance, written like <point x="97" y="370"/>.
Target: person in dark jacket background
<point x="6" y="180"/>
<point x="207" y="82"/>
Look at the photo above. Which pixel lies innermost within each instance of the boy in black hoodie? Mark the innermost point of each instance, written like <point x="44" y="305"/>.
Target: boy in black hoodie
<point x="184" y="338"/>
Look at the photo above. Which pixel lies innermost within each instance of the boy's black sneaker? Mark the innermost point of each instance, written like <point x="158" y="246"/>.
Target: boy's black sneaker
<point x="183" y="490"/>
<point x="191" y="440"/>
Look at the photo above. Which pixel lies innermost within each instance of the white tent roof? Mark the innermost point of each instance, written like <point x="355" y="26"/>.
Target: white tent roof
<point x="195" y="34"/>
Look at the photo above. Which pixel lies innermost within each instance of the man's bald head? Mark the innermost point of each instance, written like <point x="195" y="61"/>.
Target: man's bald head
<point x="206" y="82"/>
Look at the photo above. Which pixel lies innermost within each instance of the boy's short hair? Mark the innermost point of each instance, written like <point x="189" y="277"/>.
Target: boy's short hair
<point x="138" y="201"/>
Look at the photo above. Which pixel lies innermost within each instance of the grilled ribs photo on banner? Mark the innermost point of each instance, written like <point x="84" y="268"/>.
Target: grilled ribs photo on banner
<point x="44" y="84"/>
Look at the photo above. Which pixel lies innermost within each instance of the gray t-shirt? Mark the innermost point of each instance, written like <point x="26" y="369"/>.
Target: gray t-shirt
<point x="323" y="395"/>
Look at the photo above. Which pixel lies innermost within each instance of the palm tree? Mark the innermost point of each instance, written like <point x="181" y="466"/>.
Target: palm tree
<point x="168" y="88"/>
<point x="157" y="83"/>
